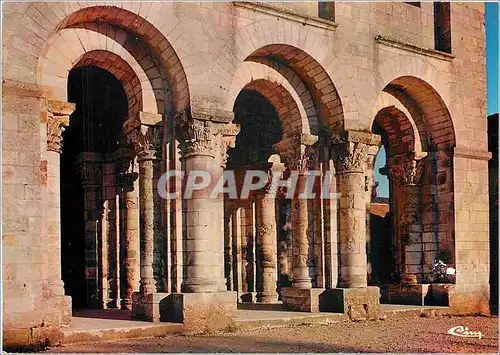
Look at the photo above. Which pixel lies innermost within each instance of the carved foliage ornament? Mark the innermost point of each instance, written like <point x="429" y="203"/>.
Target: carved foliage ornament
<point x="301" y="159"/>
<point x="410" y="173"/>
<point x="58" y="113"/>
<point x="90" y="174"/>
<point x="198" y="137"/>
<point x="147" y="141"/>
<point x="351" y="156"/>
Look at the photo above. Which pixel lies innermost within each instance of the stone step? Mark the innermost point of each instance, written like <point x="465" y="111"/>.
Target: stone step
<point x="122" y="327"/>
<point x="278" y="306"/>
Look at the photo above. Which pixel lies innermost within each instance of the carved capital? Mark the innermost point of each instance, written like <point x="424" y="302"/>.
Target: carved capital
<point x="90" y="174"/>
<point x="350" y="157"/>
<point x="408" y="173"/>
<point x="299" y="153"/>
<point x="227" y="138"/>
<point x="147" y="141"/>
<point x="198" y="137"/>
<point x="125" y="167"/>
<point x="58" y="113"/>
<point x="354" y="151"/>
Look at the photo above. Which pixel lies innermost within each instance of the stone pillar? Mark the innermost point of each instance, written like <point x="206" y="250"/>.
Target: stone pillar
<point x="266" y="244"/>
<point x="128" y="185"/>
<point x="204" y="247"/>
<point x="203" y="146"/>
<point x="299" y="156"/>
<point x="267" y="249"/>
<point x="354" y="297"/>
<point x="370" y="194"/>
<point x="351" y="165"/>
<point x="90" y="175"/>
<point x="146" y="140"/>
<point x="409" y="175"/>
<point x="58" y="114"/>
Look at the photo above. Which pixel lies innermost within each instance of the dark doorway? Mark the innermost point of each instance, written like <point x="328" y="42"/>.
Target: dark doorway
<point x="260" y="129"/>
<point x="95" y="126"/>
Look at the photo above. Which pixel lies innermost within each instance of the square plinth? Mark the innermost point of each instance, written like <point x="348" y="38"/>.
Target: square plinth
<point x="357" y="303"/>
<point x="147" y="306"/>
<point x="418" y="295"/>
<point x="301" y="299"/>
<point x="201" y="312"/>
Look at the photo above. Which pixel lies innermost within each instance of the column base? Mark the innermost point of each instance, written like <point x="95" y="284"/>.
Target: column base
<point x="201" y="312"/>
<point x="250" y="297"/>
<point x="301" y="299"/>
<point x="472" y="298"/>
<point x="419" y="294"/>
<point x="147" y="306"/>
<point x="267" y="299"/>
<point x="32" y="329"/>
<point x="126" y="304"/>
<point x="357" y="303"/>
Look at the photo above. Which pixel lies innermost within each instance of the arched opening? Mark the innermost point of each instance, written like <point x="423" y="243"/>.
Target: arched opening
<point x="92" y="137"/>
<point x="418" y="138"/>
<point x="260" y="129"/>
<point x="379" y="247"/>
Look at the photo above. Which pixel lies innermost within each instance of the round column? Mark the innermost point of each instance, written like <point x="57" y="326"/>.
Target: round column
<point x="130" y="238"/>
<point x="90" y="174"/>
<point x="147" y="143"/>
<point x="350" y="167"/>
<point x="204" y="234"/>
<point x="300" y="239"/>
<point x="267" y="247"/>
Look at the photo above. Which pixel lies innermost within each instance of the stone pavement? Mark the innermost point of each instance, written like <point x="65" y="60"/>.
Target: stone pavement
<point x="104" y="325"/>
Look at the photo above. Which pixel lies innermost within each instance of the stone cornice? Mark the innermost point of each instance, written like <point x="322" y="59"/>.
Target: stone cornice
<point x="471" y="154"/>
<point x="285" y="14"/>
<point x="413" y="48"/>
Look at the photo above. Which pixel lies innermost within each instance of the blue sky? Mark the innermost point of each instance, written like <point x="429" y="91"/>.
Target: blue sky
<point x="491" y="23"/>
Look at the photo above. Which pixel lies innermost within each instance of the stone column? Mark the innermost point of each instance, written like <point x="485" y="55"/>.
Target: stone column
<point x="267" y="249"/>
<point x="409" y="175"/>
<point x="353" y="297"/>
<point x="370" y="194"/>
<point x="58" y="114"/>
<point x="299" y="159"/>
<point x="146" y="140"/>
<point x="202" y="150"/>
<point x="128" y="185"/>
<point x="90" y="175"/>
<point x="204" y="288"/>
<point x="299" y="156"/>
<point x="351" y="162"/>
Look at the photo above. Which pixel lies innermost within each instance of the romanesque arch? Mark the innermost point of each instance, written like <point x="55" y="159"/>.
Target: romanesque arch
<point x="310" y="68"/>
<point x="290" y="106"/>
<point x="419" y="136"/>
<point x="111" y="21"/>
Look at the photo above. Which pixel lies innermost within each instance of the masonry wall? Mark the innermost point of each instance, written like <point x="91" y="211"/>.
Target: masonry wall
<point x="211" y="41"/>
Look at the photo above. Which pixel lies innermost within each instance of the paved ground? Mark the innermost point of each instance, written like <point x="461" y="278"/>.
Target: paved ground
<point x="397" y="335"/>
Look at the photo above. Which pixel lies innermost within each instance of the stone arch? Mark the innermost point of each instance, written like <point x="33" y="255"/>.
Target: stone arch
<point x="435" y="119"/>
<point x="288" y="44"/>
<point x="398" y="134"/>
<point x="387" y="101"/>
<point x="91" y="48"/>
<point x="413" y="81"/>
<point x="289" y="112"/>
<point x="314" y="79"/>
<point x="291" y="107"/>
<point x="60" y="16"/>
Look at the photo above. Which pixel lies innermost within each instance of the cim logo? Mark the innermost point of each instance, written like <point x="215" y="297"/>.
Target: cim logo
<point x="460" y="331"/>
